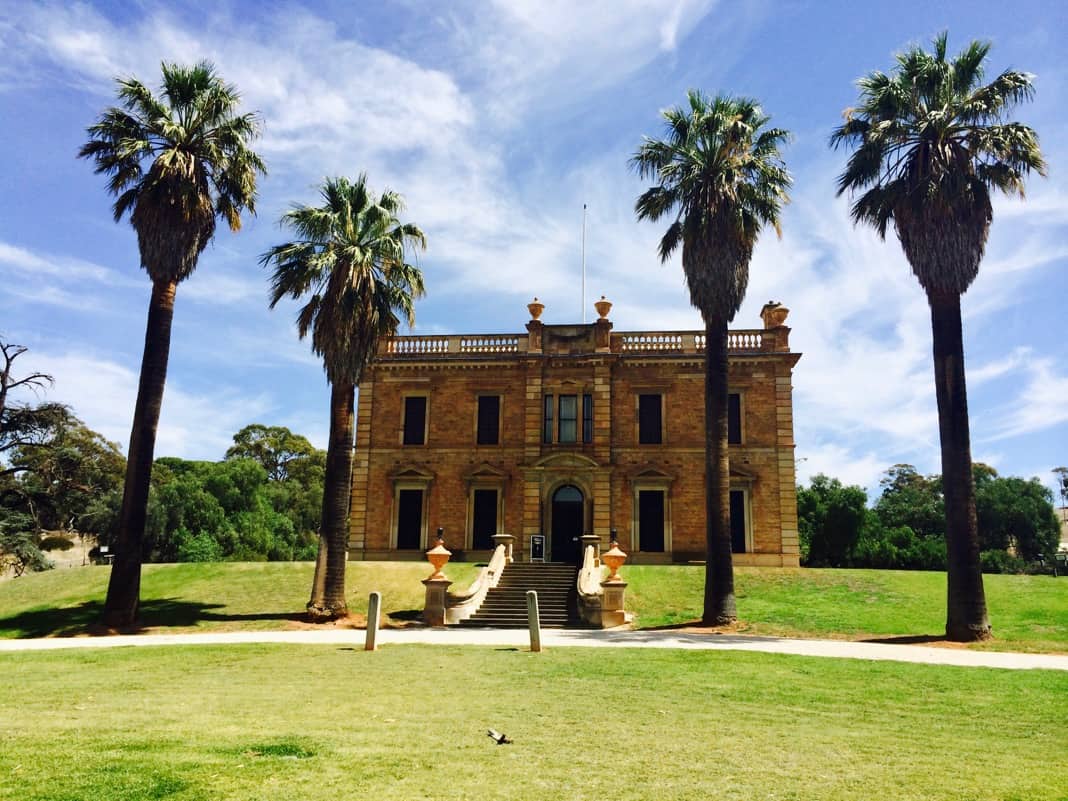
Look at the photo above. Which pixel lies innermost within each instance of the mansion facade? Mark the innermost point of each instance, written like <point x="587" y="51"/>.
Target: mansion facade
<point x="567" y="430"/>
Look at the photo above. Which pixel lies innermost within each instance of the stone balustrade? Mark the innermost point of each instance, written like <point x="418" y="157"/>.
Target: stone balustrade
<point x="739" y="342"/>
<point x="460" y="606"/>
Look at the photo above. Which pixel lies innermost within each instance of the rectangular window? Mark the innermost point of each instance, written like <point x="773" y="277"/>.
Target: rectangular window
<point x="568" y="418"/>
<point x="409" y="519"/>
<point x="734" y="419"/>
<point x="415" y="420"/>
<point x="483" y="519"/>
<point x="547" y="427"/>
<point x="489" y="420"/>
<point x="651" y="521"/>
<point x="587" y="419"/>
<point x="650" y="420"/>
<point x="738" y="521"/>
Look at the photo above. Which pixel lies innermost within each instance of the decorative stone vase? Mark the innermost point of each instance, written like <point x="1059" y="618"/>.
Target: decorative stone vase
<point x="774" y="314"/>
<point x="614" y="558"/>
<point x="535" y="309"/>
<point x="603" y="307"/>
<point x="438" y="557"/>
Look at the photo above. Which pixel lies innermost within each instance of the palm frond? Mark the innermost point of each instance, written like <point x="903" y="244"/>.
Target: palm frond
<point x="719" y="172"/>
<point x="176" y="162"/>
<point x="351" y="255"/>
<point x="929" y="145"/>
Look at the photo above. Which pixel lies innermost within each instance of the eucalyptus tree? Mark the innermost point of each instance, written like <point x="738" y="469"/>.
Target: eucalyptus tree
<point x="177" y="161"/>
<point x="349" y="265"/>
<point x="931" y="143"/>
<point x="720" y="178"/>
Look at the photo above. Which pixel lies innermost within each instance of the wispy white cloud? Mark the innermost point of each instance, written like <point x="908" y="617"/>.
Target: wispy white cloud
<point x="1041" y="404"/>
<point x="849" y="466"/>
<point x="102" y="392"/>
<point x="26" y="262"/>
<point x="1000" y="367"/>
<point x="539" y="52"/>
<point x="216" y="288"/>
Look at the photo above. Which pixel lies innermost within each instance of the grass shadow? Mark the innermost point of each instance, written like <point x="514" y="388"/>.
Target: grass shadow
<point x="84" y="619"/>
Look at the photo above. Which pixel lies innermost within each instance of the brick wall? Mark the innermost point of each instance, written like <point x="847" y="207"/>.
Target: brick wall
<point x="608" y="470"/>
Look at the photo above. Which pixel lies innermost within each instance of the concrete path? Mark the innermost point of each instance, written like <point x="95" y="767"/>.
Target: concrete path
<point x="555" y="638"/>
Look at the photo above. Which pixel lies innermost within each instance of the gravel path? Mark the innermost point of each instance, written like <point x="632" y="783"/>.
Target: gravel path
<point x="554" y="638"/>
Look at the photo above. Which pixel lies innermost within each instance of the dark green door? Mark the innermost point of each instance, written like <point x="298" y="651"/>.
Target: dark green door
<point x="484" y="519"/>
<point x="568" y="522"/>
<point x="409" y="519"/>
<point x="737" y="521"/>
<point x="651" y="521"/>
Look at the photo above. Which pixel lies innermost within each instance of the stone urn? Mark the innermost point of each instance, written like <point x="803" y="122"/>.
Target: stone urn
<point x="774" y="314"/>
<point x="614" y="558"/>
<point x="438" y="556"/>
<point x="535" y="309"/>
<point x="603" y="307"/>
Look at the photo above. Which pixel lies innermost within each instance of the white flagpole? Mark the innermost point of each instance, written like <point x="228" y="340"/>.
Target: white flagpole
<point x="583" y="263"/>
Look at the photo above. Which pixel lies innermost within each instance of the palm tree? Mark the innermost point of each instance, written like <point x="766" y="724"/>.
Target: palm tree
<point x="350" y="255"/>
<point x="931" y="143"/>
<point x="721" y="176"/>
<point x="176" y="162"/>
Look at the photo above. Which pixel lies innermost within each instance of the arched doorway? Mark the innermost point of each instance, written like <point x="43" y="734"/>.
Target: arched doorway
<point x="568" y="523"/>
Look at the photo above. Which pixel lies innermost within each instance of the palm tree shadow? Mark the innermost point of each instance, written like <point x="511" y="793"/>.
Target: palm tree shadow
<point x="84" y="619"/>
<point x="907" y="639"/>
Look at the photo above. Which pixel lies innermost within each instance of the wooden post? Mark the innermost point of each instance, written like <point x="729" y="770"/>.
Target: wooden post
<point x="374" y="607"/>
<point x="533" y="621"/>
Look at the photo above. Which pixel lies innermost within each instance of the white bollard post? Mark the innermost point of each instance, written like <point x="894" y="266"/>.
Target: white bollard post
<point x="533" y="621"/>
<point x="374" y="607"/>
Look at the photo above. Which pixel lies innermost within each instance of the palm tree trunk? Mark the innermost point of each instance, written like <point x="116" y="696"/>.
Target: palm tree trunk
<point x="719" y="568"/>
<point x="966" y="618"/>
<point x="328" y="597"/>
<point x="318" y="593"/>
<point x="124" y="586"/>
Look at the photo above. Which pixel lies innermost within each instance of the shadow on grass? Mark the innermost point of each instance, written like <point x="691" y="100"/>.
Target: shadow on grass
<point x="72" y="621"/>
<point x="406" y="615"/>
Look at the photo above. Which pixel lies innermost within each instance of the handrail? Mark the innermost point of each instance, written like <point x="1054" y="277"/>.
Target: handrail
<point x="588" y="583"/>
<point x="463" y="605"/>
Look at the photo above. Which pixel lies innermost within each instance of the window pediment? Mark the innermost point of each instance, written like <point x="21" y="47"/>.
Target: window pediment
<point x="566" y="460"/>
<point x="649" y="476"/>
<point x="487" y="473"/>
<point x="742" y="477"/>
<point x="411" y="472"/>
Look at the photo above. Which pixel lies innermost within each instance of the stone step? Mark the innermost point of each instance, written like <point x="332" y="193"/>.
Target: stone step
<point x="505" y="606"/>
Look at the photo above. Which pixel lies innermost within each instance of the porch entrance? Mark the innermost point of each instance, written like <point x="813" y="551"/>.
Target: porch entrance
<point x="568" y="523"/>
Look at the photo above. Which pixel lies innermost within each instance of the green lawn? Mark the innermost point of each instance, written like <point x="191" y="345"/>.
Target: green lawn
<point x="265" y="722"/>
<point x="1029" y="613"/>
<point x="220" y="596"/>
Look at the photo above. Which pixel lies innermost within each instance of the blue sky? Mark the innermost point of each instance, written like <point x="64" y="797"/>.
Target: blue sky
<point x="497" y="121"/>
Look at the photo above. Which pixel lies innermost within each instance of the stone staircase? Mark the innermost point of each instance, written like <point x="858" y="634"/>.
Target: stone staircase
<point x="505" y="605"/>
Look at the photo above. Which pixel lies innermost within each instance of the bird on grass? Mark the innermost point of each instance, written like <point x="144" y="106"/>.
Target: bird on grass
<point x="500" y="739"/>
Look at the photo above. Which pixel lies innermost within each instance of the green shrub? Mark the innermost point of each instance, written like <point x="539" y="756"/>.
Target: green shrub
<point x="998" y="561"/>
<point x="55" y="543"/>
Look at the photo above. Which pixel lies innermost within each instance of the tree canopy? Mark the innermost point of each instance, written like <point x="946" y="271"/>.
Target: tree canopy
<point x="904" y="528"/>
